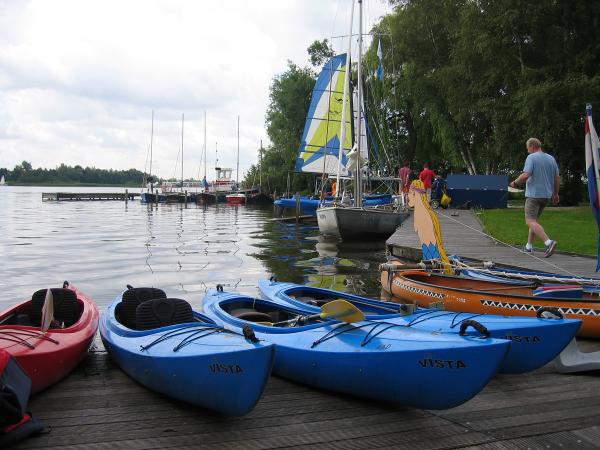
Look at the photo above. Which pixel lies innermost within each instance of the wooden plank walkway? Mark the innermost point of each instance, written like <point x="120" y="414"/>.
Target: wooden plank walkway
<point x="74" y="196"/>
<point x="463" y="235"/>
<point x="99" y="407"/>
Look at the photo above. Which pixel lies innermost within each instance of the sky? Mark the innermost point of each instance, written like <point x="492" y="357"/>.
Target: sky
<point x="79" y="79"/>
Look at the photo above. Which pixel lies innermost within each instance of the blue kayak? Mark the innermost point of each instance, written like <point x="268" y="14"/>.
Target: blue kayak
<point x="183" y="354"/>
<point x="370" y="359"/>
<point x="535" y="341"/>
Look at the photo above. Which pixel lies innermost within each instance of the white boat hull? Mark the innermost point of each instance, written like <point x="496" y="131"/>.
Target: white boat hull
<point x="359" y="223"/>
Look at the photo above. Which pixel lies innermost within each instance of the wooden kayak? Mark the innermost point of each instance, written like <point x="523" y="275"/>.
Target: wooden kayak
<point x="49" y="356"/>
<point x="493" y="297"/>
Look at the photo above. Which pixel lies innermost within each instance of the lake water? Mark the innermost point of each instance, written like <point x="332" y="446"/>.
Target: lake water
<point x="101" y="246"/>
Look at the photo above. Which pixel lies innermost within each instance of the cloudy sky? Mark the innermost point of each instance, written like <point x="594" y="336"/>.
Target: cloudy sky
<point x="79" y="79"/>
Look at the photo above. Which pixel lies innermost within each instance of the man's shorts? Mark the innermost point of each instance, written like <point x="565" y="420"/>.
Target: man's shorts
<point x="534" y="207"/>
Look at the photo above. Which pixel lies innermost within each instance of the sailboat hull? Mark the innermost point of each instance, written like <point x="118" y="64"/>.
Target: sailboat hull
<point x="359" y="223"/>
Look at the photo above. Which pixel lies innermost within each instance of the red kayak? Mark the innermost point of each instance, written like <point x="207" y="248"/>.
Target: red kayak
<point x="49" y="356"/>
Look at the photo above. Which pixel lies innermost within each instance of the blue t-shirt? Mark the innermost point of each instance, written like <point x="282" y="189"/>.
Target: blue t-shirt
<point x="542" y="169"/>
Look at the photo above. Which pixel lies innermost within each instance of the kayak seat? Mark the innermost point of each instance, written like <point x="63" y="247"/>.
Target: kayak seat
<point x="126" y="312"/>
<point x="161" y="312"/>
<point x="251" y="315"/>
<point x="67" y="309"/>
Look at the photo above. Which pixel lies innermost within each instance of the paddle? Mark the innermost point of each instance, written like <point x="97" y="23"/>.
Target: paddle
<point x="336" y="309"/>
<point x="47" y="311"/>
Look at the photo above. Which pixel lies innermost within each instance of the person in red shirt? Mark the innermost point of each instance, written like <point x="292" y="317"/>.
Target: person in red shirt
<point x="404" y="174"/>
<point x="426" y="176"/>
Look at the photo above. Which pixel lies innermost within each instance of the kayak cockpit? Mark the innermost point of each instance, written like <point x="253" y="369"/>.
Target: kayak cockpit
<point x="67" y="310"/>
<point x="263" y="313"/>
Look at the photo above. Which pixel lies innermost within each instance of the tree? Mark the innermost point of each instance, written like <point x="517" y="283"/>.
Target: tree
<point x="319" y="52"/>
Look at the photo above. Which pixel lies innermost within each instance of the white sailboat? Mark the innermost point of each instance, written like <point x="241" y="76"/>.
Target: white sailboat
<point x="357" y="221"/>
<point x="237" y="198"/>
<point x="2" y="181"/>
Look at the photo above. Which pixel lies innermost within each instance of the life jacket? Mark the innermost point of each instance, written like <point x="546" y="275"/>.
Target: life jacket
<point x="15" y="422"/>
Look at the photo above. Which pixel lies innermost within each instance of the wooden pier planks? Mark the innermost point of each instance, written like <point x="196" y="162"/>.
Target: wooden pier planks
<point x="99" y="407"/>
<point x="75" y="196"/>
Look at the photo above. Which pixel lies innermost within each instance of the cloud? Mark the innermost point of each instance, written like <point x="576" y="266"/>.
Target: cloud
<point x="79" y="79"/>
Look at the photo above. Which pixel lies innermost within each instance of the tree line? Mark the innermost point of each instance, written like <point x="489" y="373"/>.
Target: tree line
<point x="24" y="173"/>
<point x="465" y="83"/>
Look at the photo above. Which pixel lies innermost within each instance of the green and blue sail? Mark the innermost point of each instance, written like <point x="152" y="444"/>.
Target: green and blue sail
<point x="320" y="144"/>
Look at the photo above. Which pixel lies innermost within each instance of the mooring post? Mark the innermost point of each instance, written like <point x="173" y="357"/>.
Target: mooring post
<point x="185" y="199"/>
<point x="297" y="207"/>
<point x="156" y="195"/>
<point x="126" y="195"/>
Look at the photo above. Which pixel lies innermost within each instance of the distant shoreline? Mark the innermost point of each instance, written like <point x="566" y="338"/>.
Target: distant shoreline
<point x="73" y="184"/>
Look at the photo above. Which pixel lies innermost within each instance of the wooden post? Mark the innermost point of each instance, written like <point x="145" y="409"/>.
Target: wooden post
<point x="297" y="207"/>
<point x="126" y="195"/>
<point x="185" y="199"/>
<point x="156" y="195"/>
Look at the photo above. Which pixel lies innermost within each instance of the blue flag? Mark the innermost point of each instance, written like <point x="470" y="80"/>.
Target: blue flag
<point x="380" y="56"/>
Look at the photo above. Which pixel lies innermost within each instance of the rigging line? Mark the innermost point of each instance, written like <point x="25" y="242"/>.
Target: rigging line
<point x="508" y="245"/>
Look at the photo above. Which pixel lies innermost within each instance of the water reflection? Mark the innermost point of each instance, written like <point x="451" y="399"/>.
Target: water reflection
<point x="102" y="246"/>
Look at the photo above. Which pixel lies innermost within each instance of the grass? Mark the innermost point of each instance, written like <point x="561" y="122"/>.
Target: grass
<point x="574" y="228"/>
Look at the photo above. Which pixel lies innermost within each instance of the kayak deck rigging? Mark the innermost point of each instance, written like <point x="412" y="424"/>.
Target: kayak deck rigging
<point x="192" y="333"/>
<point x="13" y="335"/>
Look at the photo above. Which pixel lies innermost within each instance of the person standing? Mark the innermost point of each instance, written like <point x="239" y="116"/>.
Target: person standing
<point x="404" y="174"/>
<point x="542" y="185"/>
<point x="426" y="176"/>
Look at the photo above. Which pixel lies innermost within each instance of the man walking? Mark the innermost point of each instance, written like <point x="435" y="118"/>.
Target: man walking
<point x="404" y="175"/>
<point x="542" y="184"/>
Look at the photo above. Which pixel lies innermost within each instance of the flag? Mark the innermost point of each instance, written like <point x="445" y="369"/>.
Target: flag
<point x="380" y="56"/>
<point x="592" y="164"/>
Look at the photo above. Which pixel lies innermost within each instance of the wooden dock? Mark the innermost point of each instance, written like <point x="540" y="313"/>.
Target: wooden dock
<point x="99" y="407"/>
<point x="76" y="196"/>
<point x="463" y="235"/>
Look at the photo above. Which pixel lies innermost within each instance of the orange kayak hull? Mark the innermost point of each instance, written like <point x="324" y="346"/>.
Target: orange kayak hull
<point x="486" y="297"/>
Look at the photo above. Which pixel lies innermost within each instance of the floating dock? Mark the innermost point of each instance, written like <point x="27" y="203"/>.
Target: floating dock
<point x="89" y="196"/>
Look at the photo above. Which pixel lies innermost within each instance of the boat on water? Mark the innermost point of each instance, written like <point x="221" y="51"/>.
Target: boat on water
<point x="2" y="181"/>
<point x="149" y="193"/>
<point x="382" y="362"/>
<point x="310" y="204"/>
<point x="163" y="344"/>
<point x="329" y="146"/>
<point x="216" y="191"/>
<point x="481" y="296"/>
<point x="534" y="341"/>
<point x="238" y="197"/>
<point x="49" y="354"/>
<point x="351" y="223"/>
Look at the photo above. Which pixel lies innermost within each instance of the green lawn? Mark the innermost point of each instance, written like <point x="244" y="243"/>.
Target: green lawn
<point x="574" y="228"/>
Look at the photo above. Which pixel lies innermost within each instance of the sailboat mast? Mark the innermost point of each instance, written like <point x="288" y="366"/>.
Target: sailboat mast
<point x="344" y="102"/>
<point x="357" y="176"/>
<point x="151" y="139"/>
<point x="260" y="165"/>
<point x="237" y="170"/>
<point x="205" y="145"/>
<point x="181" y="152"/>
